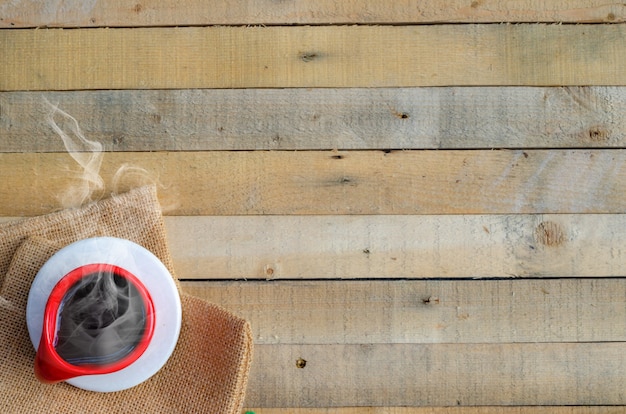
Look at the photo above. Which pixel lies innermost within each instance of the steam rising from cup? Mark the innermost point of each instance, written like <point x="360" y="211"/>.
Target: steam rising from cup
<point x="88" y="154"/>
<point x="102" y="320"/>
<point x="88" y="184"/>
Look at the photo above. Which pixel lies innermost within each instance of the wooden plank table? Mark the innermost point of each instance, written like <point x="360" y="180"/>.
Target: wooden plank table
<point x="418" y="208"/>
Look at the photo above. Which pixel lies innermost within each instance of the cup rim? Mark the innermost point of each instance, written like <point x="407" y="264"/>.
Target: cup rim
<point x="49" y="365"/>
<point x="149" y="269"/>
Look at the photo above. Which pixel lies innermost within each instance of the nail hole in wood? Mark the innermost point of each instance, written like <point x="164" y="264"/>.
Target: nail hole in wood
<point x="308" y="57"/>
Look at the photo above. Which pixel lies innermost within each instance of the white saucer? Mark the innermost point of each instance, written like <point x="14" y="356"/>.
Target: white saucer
<point x="149" y="270"/>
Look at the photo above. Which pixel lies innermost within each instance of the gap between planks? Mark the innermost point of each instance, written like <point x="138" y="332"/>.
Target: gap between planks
<point x="72" y="13"/>
<point x="320" y="56"/>
<point x="441" y="410"/>
<point x="317" y="119"/>
<point x="328" y="183"/>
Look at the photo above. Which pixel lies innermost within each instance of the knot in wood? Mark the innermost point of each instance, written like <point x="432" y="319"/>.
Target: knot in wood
<point x="550" y="234"/>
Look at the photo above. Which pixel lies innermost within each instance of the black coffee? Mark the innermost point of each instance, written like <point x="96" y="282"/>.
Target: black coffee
<point x="102" y="318"/>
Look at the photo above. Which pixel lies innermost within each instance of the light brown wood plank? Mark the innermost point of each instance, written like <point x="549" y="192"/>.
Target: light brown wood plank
<point x="441" y="410"/>
<point x="345" y="247"/>
<point x="358" y="182"/>
<point x="376" y="312"/>
<point x="319" y="56"/>
<point x="299" y="119"/>
<point x="332" y="247"/>
<point x="438" y="375"/>
<point x="71" y="13"/>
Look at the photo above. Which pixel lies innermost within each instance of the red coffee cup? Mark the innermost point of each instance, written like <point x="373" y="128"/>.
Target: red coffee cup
<point x="108" y="335"/>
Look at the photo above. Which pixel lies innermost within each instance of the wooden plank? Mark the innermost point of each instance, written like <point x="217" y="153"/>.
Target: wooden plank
<point x="326" y="182"/>
<point x="319" y="56"/>
<point x="299" y="119"/>
<point x="331" y="247"/>
<point x="441" y="410"/>
<point x="375" y="312"/>
<point x="313" y="247"/>
<point x="437" y="375"/>
<point x="71" y="13"/>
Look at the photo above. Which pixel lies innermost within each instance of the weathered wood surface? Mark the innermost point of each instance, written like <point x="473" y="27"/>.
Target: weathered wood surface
<point x="381" y="341"/>
<point x="434" y="311"/>
<point x="313" y="56"/>
<point x="89" y="13"/>
<point x="442" y="410"/>
<point x="438" y="375"/>
<point x="392" y="247"/>
<point x="336" y="247"/>
<point x="329" y="182"/>
<point x="299" y="119"/>
<point x="346" y="247"/>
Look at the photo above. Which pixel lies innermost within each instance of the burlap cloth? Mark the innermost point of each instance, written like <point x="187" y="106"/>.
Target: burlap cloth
<point x="208" y="370"/>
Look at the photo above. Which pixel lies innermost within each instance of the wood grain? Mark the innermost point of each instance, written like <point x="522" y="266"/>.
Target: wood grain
<point x="335" y="247"/>
<point x="313" y="56"/>
<point x="426" y="312"/>
<point x="242" y="219"/>
<point x="346" y="247"/>
<point x="327" y="182"/>
<point x="304" y="119"/>
<point x="88" y="13"/>
<point x="437" y="375"/>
